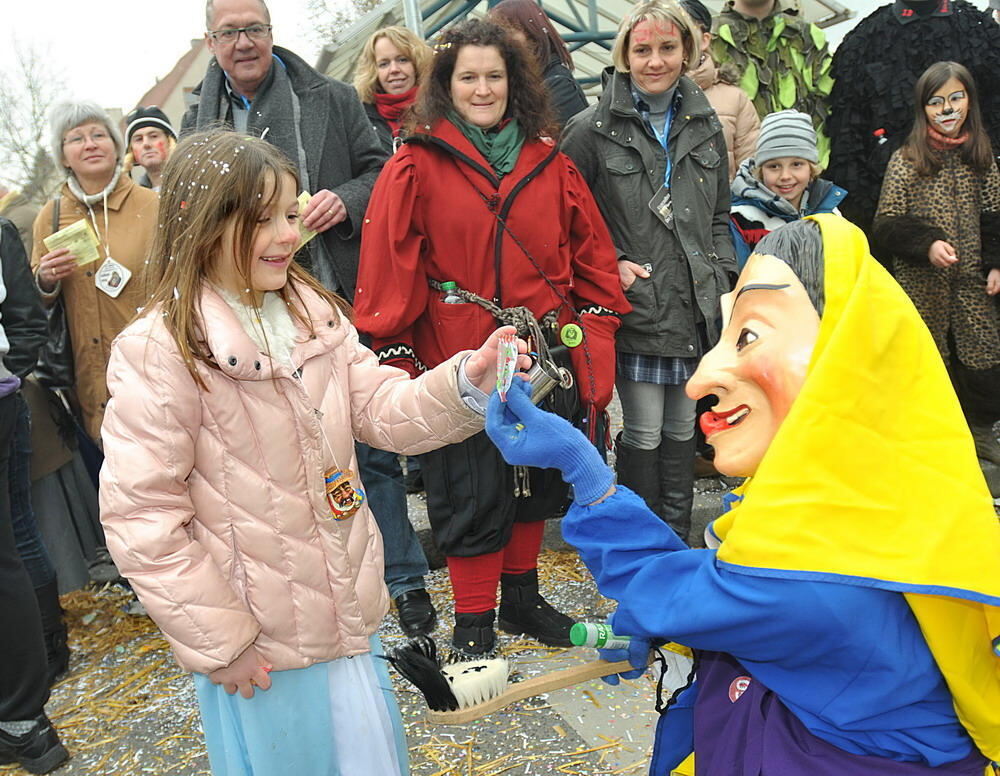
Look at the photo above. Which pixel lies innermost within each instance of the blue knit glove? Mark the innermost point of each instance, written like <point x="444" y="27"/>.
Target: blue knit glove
<point x="529" y="436"/>
<point x="637" y="654"/>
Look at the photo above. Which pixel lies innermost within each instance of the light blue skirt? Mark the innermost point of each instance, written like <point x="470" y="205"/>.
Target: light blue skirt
<point x="332" y="719"/>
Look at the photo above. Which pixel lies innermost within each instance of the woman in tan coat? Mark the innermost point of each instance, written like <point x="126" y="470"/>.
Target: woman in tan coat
<point x="740" y="123"/>
<point x="100" y="297"/>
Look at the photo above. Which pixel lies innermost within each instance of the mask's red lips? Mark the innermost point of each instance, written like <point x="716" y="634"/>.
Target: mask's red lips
<point x="714" y="422"/>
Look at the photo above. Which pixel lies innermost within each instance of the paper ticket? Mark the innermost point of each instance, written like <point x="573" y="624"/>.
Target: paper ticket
<point x="305" y="234"/>
<point x="79" y="239"/>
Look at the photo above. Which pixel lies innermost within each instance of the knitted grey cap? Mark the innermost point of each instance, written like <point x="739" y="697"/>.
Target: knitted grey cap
<point x="786" y="133"/>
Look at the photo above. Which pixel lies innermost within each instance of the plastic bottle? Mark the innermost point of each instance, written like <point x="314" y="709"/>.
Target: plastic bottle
<point x="448" y="295"/>
<point x="597" y="635"/>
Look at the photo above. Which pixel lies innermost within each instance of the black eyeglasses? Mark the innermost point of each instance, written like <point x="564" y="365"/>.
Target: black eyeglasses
<point x="232" y="34"/>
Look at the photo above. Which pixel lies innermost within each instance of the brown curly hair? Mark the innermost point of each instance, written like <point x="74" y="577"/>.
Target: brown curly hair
<point x="527" y="97"/>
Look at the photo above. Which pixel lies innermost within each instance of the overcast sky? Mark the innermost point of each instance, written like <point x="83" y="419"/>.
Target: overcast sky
<point x="114" y="50"/>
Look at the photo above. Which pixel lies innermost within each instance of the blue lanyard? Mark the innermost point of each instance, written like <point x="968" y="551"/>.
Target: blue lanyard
<point x="664" y="140"/>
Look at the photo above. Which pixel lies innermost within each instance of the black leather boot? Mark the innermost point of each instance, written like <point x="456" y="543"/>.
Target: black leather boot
<point x="54" y="630"/>
<point x="676" y="470"/>
<point x="523" y="610"/>
<point x="473" y="635"/>
<point x="638" y="470"/>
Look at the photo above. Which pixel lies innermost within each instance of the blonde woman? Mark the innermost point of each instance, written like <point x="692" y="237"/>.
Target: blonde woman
<point x="390" y="69"/>
<point x="653" y="151"/>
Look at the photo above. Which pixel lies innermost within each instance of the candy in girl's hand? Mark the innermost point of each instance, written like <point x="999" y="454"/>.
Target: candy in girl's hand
<point x="506" y="363"/>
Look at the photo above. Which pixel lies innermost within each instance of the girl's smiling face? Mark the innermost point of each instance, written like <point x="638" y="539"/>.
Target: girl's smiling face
<point x="788" y="177"/>
<point x="948" y="107"/>
<point x="759" y="365"/>
<point x="274" y="244"/>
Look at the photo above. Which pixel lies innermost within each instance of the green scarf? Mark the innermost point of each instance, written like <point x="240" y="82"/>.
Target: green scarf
<point x="499" y="147"/>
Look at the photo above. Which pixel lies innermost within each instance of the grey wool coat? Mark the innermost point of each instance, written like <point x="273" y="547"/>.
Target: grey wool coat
<point x="323" y="129"/>
<point x="675" y="312"/>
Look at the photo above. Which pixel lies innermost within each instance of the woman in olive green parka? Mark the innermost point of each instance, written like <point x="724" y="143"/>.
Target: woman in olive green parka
<point x="653" y="151"/>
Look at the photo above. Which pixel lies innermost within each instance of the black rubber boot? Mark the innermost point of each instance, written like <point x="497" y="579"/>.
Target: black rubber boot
<point x="523" y="610"/>
<point x="638" y="470"/>
<point x="473" y="634"/>
<point x="54" y="630"/>
<point x="676" y="467"/>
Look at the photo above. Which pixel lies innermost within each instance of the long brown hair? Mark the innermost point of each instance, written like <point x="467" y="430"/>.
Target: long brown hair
<point x="977" y="152"/>
<point x="527" y="97"/>
<point x="212" y="179"/>
<point x="528" y="17"/>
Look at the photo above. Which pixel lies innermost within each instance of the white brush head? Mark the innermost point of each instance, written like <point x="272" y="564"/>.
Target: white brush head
<point x="477" y="681"/>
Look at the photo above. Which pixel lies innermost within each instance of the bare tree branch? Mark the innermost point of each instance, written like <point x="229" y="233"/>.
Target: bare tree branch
<point x="328" y="18"/>
<point x="28" y="90"/>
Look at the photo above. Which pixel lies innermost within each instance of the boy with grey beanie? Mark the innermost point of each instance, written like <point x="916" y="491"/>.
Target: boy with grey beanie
<point x="780" y="183"/>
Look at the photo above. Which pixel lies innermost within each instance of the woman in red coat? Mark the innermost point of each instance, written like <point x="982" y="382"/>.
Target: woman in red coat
<point x="479" y="195"/>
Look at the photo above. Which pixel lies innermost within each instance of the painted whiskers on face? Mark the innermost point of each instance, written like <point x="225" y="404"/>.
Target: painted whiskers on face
<point x="948" y="107"/>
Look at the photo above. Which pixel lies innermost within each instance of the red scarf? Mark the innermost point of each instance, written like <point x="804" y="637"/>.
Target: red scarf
<point x="943" y="142"/>
<point x="391" y="107"/>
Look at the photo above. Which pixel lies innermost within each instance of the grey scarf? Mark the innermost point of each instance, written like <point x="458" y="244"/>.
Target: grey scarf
<point x="275" y="110"/>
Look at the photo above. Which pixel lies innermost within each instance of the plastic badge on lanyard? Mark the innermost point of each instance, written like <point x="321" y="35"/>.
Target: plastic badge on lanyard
<point x="662" y="203"/>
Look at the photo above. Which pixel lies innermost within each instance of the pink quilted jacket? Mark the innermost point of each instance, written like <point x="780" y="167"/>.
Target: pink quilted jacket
<point x="213" y="501"/>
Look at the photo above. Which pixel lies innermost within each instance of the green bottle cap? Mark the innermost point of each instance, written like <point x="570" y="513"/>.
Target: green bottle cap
<point x="449" y="285"/>
<point x="571" y="335"/>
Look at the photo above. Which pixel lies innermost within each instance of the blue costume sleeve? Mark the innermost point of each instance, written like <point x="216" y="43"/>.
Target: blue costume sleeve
<point x="849" y="661"/>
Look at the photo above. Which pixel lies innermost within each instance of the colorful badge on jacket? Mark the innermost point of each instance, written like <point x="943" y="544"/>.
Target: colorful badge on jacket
<point x="341" y="495"/>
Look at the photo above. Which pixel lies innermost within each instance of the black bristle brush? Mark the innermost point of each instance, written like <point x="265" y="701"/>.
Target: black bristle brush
<point x="417" y="661"/>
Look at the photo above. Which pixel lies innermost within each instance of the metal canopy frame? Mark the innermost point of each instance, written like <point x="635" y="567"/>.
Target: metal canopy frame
<point x="588" y="26"/>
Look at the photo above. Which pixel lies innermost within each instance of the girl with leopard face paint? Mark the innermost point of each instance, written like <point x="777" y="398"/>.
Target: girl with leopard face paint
<point x="939" y="218"/>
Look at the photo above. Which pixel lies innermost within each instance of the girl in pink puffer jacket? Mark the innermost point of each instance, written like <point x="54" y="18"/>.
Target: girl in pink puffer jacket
<point x="229" y="493"/>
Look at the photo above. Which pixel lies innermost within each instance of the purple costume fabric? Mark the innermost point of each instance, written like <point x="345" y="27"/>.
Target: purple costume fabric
<point x="763" y="738"/>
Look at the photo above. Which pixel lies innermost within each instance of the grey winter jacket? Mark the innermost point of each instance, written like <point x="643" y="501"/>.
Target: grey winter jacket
<point x="675" y="312"/>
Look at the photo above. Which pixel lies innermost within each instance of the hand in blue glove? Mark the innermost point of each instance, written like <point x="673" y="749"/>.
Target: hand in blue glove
<point x="529" y="436"/>
<point x="637" y="654"/>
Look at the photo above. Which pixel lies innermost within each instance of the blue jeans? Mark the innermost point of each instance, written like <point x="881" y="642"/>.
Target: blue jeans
<point x="33" y="554"/>
<point x="405" y="564"/>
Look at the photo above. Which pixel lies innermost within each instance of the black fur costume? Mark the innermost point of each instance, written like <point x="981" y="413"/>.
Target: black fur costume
<point x="875" y="69"/>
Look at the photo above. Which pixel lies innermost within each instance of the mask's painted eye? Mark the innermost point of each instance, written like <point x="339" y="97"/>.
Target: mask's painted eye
<point x="746" y="337"/>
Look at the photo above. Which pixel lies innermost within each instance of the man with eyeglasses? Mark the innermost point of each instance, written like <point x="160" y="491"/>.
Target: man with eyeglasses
<point x="265" y="90"/>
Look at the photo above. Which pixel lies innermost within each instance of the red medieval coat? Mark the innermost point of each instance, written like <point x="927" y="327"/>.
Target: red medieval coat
<point x="435" y="214"/>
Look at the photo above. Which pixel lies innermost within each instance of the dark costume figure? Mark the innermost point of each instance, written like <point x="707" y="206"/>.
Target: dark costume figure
<point x="875" y="69"/>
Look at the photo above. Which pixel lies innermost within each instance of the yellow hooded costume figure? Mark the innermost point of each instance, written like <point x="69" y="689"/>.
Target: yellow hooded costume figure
<point x="872" y="480"/>
<point x="846" y="624"/>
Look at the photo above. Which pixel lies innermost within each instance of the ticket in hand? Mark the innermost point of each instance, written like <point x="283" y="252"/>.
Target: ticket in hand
<point x="506" y="363"/>
<point x="305" y="235"/>
<point x="79" y="239"/>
